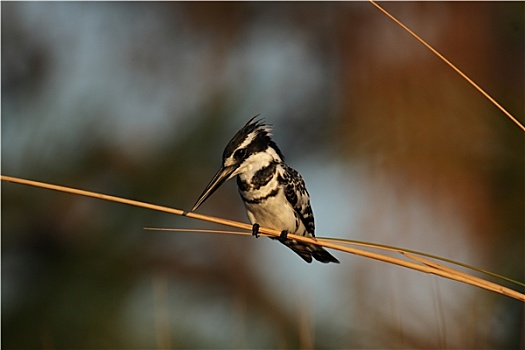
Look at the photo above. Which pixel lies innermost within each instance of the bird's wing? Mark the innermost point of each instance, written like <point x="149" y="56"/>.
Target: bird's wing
<point x="296" y="193"/>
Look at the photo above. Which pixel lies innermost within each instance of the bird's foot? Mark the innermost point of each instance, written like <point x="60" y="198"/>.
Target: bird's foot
<point x="284" y="235"/>
<point x="255" y="230"/>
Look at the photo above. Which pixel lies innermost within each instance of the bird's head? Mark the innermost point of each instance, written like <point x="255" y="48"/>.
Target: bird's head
<point x="251" y="148"/>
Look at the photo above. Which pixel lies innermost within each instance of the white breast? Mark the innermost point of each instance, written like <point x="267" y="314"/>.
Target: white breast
<point x="276" y="213"/>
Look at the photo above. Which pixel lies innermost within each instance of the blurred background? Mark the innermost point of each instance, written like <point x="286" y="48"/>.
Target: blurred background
<point x="139" y="99"/>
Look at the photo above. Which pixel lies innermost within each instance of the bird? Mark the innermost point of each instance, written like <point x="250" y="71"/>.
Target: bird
<point x="274" y="194"/>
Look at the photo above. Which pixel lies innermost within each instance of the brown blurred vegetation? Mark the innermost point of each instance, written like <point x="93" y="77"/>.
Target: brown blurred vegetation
<point x="81" y="273"/>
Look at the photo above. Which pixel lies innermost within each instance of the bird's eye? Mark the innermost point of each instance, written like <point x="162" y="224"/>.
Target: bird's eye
<point x="240" y="153"/>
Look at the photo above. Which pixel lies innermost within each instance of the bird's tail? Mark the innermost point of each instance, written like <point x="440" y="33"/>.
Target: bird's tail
<point x="307" y="251"/>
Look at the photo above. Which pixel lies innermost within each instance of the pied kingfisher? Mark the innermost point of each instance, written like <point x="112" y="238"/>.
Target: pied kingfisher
<point x="274" y="194"/>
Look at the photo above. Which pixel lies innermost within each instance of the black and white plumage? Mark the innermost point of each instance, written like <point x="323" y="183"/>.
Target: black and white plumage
<point x="274" y="194"/>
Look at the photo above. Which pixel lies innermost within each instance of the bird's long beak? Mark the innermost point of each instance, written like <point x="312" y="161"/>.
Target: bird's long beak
<point x="222" y="175"/>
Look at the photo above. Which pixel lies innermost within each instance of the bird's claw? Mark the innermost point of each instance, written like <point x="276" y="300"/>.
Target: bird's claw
<point x="255" y="230"/>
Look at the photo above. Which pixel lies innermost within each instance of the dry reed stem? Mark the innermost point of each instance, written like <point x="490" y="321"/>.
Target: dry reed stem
<point x="461" y="276"/>
<point x="426" y="266"/>
<point x="450" y="64"/>
<point x="418" y="253"/>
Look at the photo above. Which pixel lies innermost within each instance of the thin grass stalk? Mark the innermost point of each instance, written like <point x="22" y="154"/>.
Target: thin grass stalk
<point x="321" y="240"/>
<point x="424" y="265"/>
<point x="450" y="64"/>
<point x="405" y="250"/>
